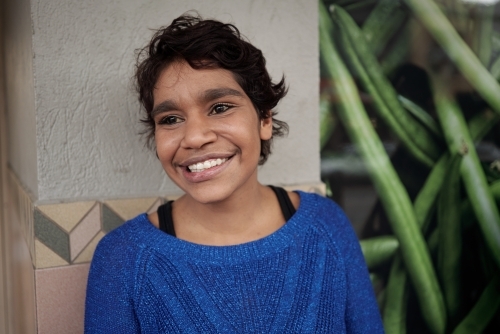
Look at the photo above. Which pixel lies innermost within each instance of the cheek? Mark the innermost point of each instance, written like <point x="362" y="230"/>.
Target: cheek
<point x="246" y="132"/>
<point x="164" y="147"/>
<point x="252" y="141"/>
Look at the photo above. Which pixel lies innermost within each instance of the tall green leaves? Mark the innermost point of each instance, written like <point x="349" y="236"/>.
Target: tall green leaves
<point x="471" y="67"/>
<point x="460" y="142"/>
<point x="393" y="195"/>
<point x="434" y="222"/>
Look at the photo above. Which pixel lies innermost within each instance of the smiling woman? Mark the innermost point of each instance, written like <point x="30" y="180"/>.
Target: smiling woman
<point x="209" y="117"/>
<point x="230" y="255"/>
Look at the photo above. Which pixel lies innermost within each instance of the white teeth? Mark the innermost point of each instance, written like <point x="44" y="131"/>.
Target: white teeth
<point x="201" y="166"/>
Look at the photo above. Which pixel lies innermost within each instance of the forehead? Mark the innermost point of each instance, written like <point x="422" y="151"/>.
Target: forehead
<point x="179" y="77"/>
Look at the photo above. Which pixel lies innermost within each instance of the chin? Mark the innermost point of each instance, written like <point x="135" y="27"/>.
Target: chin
<point x="208" y="195"/>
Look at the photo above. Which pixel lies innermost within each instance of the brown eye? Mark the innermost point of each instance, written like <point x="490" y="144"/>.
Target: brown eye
<point x="169" y="120"/>
<point x="220" y="108"/>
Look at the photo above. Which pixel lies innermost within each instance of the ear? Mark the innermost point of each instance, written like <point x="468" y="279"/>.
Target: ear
<point x="266" y="128"/>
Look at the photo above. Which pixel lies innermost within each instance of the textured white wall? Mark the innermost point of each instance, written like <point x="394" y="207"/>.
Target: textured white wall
<point x="87" y="114"/>
<point x="20" y="97"/>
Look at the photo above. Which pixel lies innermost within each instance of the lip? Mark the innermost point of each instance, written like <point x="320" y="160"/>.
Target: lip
<point x="194" y="160"/>
<point x="207" y="174"/>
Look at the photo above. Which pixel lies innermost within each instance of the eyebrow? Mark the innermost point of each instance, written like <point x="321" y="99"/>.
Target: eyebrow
<point x="213" y="94"/>
<point x="166" y="105"/>
<point x="206" y="96"/>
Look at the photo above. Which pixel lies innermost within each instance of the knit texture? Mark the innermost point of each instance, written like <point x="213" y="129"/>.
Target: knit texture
<point x="307" y="277"/>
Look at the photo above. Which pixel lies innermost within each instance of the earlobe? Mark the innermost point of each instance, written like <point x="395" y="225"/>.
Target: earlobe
<point x="266" y="128"/>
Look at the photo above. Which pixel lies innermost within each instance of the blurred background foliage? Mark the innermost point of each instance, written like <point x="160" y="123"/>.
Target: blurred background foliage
<point x="421" y="75"/>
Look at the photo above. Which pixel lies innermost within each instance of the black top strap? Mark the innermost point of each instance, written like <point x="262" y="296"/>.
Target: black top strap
<point x="165" y="218"/>
<point x="286" y="205"/>
<point x="167" y="223"/>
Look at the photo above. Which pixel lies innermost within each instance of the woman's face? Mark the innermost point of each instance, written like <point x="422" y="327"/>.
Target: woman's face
<point x="207" y="132"/>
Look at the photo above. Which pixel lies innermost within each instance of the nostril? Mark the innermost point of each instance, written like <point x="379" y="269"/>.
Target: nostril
<point x="196" y="136"/>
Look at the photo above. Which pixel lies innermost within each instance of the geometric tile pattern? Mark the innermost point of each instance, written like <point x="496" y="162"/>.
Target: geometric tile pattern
<point x="65" y="234"/>
<point x="52" y="235"/>
<point x="46" y="258"/>
<point x="67" y="216"/>
<point x="85" y="231"/>
<point x="87" y="253"/>
<point x="68" y="233"/>
<point x="130" y="208"/>
<point x="110" y="219"/>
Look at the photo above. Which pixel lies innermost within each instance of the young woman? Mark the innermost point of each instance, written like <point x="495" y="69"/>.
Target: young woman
<point x="231" y="255"/>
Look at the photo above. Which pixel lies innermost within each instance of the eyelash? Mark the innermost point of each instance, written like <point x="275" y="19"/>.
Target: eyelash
<point x="227" y="107"/>
<point x="165" y="119"/>
<point x="175" y="119"/>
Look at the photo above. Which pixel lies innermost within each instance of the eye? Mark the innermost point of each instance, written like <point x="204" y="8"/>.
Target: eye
<point x="170" y="119"/>
<point x="220" y="108"/>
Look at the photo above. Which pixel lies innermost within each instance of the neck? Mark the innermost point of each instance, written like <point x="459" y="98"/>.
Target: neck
<point x="246" y="215"/>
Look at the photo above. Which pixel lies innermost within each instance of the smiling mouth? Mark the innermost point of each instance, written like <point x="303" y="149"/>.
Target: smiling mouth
<point x="207" y="164"/>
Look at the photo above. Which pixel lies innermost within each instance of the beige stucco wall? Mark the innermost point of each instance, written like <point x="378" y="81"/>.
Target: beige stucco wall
<point x="87" y="114"/>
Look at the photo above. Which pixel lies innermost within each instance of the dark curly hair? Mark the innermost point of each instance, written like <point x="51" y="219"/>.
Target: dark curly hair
<point x="209" y="44"/>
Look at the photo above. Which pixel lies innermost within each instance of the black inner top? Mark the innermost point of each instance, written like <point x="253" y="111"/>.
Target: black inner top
<point x="167" y="223"/>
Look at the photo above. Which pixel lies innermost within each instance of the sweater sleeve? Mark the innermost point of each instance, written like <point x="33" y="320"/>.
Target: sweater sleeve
<point x="109" y="306"/>
<point x="362" y="313"/>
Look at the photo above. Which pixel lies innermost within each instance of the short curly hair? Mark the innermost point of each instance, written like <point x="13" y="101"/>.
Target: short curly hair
<point x="209" y="44"/>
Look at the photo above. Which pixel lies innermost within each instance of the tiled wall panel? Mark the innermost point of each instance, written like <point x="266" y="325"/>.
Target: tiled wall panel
<point x="60" y="295"/>
<point x="67" y="233"/>
<point x="20" y="273"/>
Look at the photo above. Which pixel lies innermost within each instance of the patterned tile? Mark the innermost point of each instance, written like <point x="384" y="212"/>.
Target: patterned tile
<point x="129" y="208"/>
<point x="110" y="220"/>
<point x="60" y="299"/>
<point x="66" y="215"/>
<point x="46" y="258"/>
<point x="86" y="255"/>
<point x="52" y="235"/>
<point x="85" y="231"/>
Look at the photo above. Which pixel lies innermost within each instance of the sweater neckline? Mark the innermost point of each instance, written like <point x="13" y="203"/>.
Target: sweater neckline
<point x="149" y="236"/>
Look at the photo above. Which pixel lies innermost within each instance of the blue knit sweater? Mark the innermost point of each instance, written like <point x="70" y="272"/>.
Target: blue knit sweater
<point x="307" y="277"/>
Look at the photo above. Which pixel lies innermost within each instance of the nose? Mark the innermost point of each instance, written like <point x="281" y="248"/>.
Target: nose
<point x="197" y="133"/>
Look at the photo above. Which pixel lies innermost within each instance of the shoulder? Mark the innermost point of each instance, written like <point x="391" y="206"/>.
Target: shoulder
<point x="328" y="219"/>
<point x="323" y="211"/>
<point x="124" y="233"/>
<point x="112" y="287"/>
<point x="122" y="244"/>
